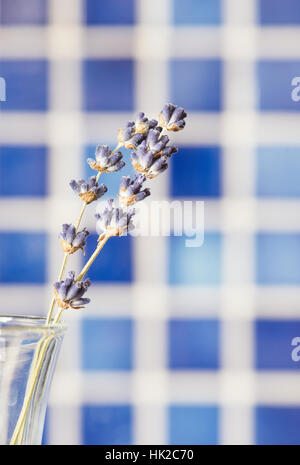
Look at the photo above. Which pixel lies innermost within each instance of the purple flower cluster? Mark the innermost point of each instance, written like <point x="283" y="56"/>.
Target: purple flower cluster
<point x="131" y="191"/>
<point x="70" y="240"/>
<point x="151" y="147"/>
<point x="114" y="221"/>
<point x="172" y="117"/>
<point x="152" y="154"/>
<point x="135" y="131"/>
<point x="146" y="162"/>
<point x="89" y="190"/>
<point x="69" y="293"/>
<point x="106" y="161"/>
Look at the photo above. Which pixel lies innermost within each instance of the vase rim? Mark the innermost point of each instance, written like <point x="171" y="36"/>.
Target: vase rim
<point x="28" y="322"/>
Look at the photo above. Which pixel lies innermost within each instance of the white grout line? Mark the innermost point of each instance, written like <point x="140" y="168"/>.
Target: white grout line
<point x="234" y="386"/>
<point x="238" y="133"/>
<point x="232" y="215"/>
<point x="63" y="420"/>
<point x="185" y="41"/>
<point x="109" y="42"/>
<point x="65" y="140"/>
<point x="186" y="302"/>
<point x="151" y="54"/>
<point x="203" y="128"/>
<point x="31" y="43"/>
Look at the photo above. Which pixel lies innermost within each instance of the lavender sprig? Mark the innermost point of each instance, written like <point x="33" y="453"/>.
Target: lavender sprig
<point x="151" y="155"/>
<point x="152" y="150"/>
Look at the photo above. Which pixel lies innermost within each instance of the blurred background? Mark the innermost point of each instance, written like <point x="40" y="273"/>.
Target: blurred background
<point x="179" y="345"/>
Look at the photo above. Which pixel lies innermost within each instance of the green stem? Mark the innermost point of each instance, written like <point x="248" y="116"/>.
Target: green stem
<point x="116" y="148"/>
<point x="80" y="216"/>
<point x="92" y="258"/>
<point x="62" y="270"/>
<point x="57" y="318"/>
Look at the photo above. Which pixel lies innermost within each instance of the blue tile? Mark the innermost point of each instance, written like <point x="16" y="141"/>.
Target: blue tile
<point x="278" y="12"/>
<point x="273" y="344"/>
<point x="23" y="12"/>
<point x="107" y="424"/>
<point x="278" y="258"/>
<point x="278" y="172"/>
<point x="193" y="344"/>
<point x="196" y="84"/>
<point x="22" y="257"/>
<point x="108" y="85"/>
<point x="191" y="265"/>
<point x="115" y="262"/>
<point x="277" y="425"/>
<point x="193" y="424"/>
<point x="110" y="12"/>
<point x="111" y="180"/>
<point x="107" y="344"/>
<point x="274" y="85"/>
<point x="200" y="173"/>
<point x="23" y="170"/>
<point x="204" y="12"/>
<point x="26" y="85"/>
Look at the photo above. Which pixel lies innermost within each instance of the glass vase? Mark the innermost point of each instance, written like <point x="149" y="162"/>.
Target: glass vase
<point x="28" y="354"/>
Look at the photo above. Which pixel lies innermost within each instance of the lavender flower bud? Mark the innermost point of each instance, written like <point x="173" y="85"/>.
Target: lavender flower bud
<point x="135" y="131"/>
<point x="172" y="117"/>
<point x="106" y="162"/>
<point x="157" y="167"/>
<point x="130" y="190"/>
<point x="88" y="191"/>
<point x="158" y="144"/>
<point x="155" y="141"/>
<point x="68" y="293"/>
<point x="113" y="221"/>
<point x="147" y="162"/>
<point x="70" y="240"/>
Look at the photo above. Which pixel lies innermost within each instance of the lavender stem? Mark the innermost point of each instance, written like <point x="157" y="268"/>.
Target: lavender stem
<point x="92" y="258"/>
<point x="62" y="270"/>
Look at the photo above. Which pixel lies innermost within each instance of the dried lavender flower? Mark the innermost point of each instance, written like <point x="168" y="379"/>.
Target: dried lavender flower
<point x="172" y="117"/>
<point x="106" y="161"/>
<point x="130" y="190"/>
<point x="69" y="293"/>
<point x="114" y="221"/>
<point x="148" y="163"/>
<point x="155" y="142"/>
<point x="88" y="191"/>
<point x="135" y="131"/>
<point x="70" y="240"/>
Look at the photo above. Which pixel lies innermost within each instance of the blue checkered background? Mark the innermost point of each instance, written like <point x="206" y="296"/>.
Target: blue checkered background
<point x="179" y="345"/>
